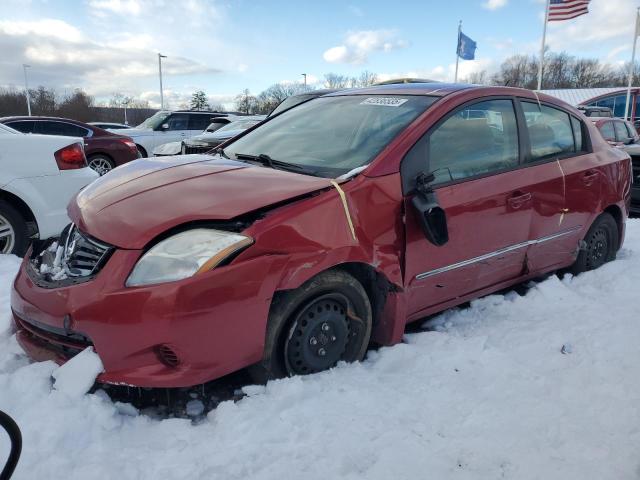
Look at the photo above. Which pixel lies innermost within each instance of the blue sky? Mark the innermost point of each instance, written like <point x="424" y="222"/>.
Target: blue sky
<point x="222" y="47"/>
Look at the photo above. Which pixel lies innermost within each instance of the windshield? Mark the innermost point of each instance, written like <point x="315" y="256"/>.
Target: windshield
<point x="332" y="135"/>
<point x="154" y="121"/>
<point x="239" y="125"/>
<point x="290" y="102"/>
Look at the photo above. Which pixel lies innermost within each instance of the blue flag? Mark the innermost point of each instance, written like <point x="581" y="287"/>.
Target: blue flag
<point x="466" y="47"/>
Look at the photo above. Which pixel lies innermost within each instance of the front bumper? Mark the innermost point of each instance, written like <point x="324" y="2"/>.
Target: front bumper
<point x="215" y="323"/>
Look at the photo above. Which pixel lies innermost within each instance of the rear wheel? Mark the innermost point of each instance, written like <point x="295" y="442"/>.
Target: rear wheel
<point x="14" y="236"/>
<point x="600" y="245"/>
<point x="311" y="329"/>
<point x="101" y="164"/>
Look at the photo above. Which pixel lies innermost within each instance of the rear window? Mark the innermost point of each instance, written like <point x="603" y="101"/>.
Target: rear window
<point x="60" y="128"/>
<point x="24" y="126"/>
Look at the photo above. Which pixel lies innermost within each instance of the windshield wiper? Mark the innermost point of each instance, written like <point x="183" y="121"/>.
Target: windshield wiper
<point x="267" y="161"/>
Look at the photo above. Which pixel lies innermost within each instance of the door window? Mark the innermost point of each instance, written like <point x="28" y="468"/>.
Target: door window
<point x="550" y="131"/>
<point x="607" y="131"/>
<point x="179" y="122"/>
<point x="198" y="121"/>
<point x="479" y="139"/>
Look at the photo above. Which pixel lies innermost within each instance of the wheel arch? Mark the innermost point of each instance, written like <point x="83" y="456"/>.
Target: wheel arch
<point x="142" y="150"/>
<point x="20" y="205"/>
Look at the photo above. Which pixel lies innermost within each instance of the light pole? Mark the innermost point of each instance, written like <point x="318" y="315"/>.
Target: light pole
<point x="26" y="87"/>
<point x="304" y="75"/>
<point x="160" y="57"/>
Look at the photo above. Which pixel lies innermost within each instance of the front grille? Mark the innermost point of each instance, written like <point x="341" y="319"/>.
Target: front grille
<point x="73" y="258"/>
<point x="82" y="255"/>
<point x="64" y="342"/>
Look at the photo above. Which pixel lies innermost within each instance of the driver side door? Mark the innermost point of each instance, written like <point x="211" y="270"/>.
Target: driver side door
<point x="474" y="153"/>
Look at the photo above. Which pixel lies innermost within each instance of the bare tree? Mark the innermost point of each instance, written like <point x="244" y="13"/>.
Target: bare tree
<point x="333" y="80"/>
<point x="245" y="102"/>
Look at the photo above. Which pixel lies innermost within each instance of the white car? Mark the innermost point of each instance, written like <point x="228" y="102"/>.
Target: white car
<point x="39" y="174"/>
<point x="164" y="127"/>
<point x="207" y="140"/>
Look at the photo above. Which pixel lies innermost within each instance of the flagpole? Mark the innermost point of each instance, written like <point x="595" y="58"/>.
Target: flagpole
<point x="544" y="40"/>
<point x="458" y="51"/>
<point x="632" y="67"/>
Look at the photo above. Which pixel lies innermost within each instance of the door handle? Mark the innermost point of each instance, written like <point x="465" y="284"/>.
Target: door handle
<point x="589" y="177"/>
<point x="518" y="199"/>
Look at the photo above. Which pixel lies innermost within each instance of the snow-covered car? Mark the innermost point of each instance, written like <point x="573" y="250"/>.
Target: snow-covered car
<point x="164" y="127"/>
<point x="39" y="174"/>
<point x="206" y="141"/>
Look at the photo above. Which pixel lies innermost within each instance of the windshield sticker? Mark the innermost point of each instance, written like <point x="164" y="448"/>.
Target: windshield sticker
<point x="384" y="101"/>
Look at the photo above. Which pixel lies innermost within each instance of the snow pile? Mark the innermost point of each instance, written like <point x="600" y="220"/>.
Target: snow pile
<point x="77" y="376"/>
<point x="487" y="394"/>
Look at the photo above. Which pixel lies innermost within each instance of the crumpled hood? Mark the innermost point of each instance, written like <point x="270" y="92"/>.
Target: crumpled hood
<point x="136" y="202"/>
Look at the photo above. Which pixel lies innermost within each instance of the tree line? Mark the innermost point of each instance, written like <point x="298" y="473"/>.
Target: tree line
<point x="560" y="71"/>
<point x="76" y="104"/>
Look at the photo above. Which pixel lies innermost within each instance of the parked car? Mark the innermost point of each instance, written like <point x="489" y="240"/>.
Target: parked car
<point x="110" y="125"/>
<point x="164" y="127"/>
<point x="206" y="141"/>
<point x="325" y="228"/>
<point x="104" y="150"/>
<point x="622" y="134"/>
<point x="38" y="176"/>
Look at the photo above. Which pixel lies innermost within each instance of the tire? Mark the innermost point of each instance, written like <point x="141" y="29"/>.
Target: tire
<point x="310" y="329"/>
<point x="599" y="246"/>
<point x="14" y="233"/>
<point x="142" y="151"/>
<point x="101" y="164"/>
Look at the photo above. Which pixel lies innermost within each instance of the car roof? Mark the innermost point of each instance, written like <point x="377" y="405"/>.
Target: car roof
<point x="37" y="117"/>
<point x="437" y="89"/>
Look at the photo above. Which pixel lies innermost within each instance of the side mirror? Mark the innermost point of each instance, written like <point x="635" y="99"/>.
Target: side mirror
<point x="15" y="436"/>
<point x="431" y="215"/>
<point x="164" y="126"/>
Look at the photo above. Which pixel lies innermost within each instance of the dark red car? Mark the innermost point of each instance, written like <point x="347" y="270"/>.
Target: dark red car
<point x="323" y="229"/>
<point x="104" y="150"/>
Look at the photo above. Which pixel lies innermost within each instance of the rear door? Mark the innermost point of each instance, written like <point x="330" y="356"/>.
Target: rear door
<point x="474" y="153"/>
<point x="554" y="138"/>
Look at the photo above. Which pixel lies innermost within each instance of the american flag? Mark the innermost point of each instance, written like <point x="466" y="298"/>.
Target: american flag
<point x="567" y="9"/>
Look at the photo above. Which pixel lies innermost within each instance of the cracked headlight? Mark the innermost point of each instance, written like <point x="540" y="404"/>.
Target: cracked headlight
<point x="184" y="255"/>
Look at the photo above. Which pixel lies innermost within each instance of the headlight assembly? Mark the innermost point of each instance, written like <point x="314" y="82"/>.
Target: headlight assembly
<point x="184" y="255"/>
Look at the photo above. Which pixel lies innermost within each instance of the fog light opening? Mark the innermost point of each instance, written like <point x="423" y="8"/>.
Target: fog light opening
<point x="167" y="355"/>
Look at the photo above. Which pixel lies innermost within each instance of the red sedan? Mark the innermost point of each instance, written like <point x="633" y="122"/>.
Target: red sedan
<point x="104" y="150"/>
<point x="323" y="229"/>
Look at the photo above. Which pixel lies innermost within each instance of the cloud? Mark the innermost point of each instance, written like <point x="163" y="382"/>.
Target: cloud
<point x="494" y="4"/>
<point x="445" y="73"/>
<point x="121" y="7"/>
<point x="63" y="57"/>
<point x="359" y="45"/>
<point x="607" y="21"/>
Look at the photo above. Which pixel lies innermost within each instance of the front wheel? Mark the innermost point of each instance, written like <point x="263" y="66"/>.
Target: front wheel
<point x="599" y="245"/>
<point x="311" y="329"/>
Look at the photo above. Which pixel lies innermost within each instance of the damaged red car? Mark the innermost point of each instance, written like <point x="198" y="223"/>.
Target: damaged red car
<point x="324" y="229"/>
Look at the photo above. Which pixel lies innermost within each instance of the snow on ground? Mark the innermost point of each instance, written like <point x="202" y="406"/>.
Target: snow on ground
<point x="486" y="395"/>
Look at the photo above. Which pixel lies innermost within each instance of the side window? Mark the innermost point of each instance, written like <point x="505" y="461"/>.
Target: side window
<point x="607" y="131"/>
<point x="179" y="121"/>
<point x="577" y="134"/>
<point x="24" y="126"/>
<point x="550" y="131"/>
<point x="622" y="135"/>
<point x="479" y="139"/>
<point x="61" y="128"/>
<point x="199" y="121"/>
